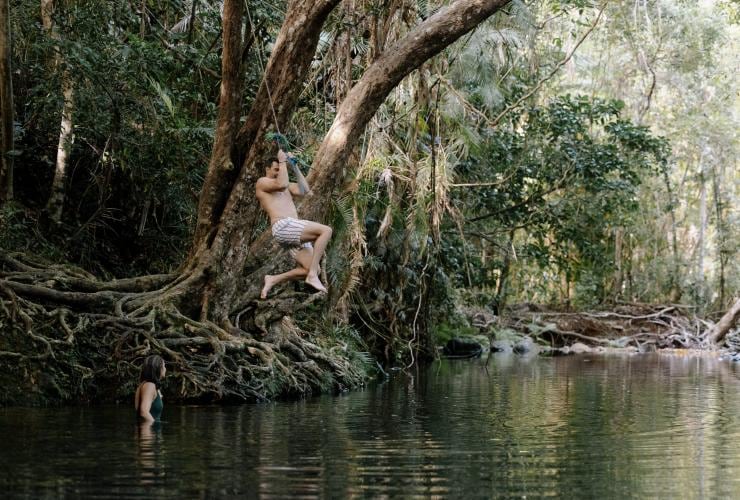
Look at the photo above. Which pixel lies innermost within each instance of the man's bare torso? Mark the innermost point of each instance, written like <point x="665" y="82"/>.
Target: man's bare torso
<point x="278" y="204"/>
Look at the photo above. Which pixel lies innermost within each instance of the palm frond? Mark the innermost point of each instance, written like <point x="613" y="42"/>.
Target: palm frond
<point x="491" y="96"/>
<point x="452" y="106"/>
<point x="343" y="207"/>
<point x="163" y="93"/>
<point x="182" y="26"/>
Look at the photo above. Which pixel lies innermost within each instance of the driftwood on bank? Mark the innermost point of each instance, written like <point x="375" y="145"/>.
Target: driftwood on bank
<point x="719" y="331"/>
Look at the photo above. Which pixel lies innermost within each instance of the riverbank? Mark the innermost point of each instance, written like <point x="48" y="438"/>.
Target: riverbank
<point x="625" y="328"/>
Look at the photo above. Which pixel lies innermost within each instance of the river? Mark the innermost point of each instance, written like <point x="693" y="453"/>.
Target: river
<point x="640" y="426"/>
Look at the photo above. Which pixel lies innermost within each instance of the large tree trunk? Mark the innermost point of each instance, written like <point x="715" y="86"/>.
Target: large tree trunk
<point x="228" y="209"/>
<point x="329" y="169"/>
<point x="55" y="203"/>
<point x="423" y="42"/>
<point x="343" y="54"/>
<point x="66" y="138"/>
<point x="275" y="100"/>
<point x="6" y="106"/>
<point x="227" y="250"/>
<point x="221" y="169"/>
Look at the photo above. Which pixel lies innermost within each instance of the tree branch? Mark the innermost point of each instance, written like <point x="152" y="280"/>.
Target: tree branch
<point x="557" y="67"/>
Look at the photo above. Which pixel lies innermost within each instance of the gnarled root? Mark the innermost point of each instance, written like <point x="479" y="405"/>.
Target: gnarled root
<point x="637" y="325"/>
<point x="67" y="337"/>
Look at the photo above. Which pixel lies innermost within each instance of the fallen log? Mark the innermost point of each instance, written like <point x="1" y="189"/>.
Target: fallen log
<point x="719" y="331"/>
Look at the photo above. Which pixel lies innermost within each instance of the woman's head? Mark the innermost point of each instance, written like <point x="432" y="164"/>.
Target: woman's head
<point x="153" y="370"/>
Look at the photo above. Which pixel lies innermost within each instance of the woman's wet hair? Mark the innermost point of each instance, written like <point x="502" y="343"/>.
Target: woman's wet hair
<point x="151" y="370"/>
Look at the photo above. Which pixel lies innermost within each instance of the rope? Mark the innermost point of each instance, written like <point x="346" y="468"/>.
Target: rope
<point x="260" y="56"/>
<point x="260" y="50"/>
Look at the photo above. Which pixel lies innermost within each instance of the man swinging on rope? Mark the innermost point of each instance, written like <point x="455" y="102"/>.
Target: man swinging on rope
<point x="275" y="194"/>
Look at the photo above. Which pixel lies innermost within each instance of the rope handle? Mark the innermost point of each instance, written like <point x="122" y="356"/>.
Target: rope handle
<point x="283" y="143"/>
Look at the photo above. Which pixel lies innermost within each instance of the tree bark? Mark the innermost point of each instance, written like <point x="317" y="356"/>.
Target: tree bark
<point x="6" y="106"/>
<point x="142" y="20"/>
<point x="227" y="209"/>
<point x="721" y="236"/>
<point x="343" y="55"/>
<point x="66" y="138"/>
<point x="618" y="275"/>
<point x="221" y="169"/>
<point x="222" y="238"/>
<point x="423" y="42"/>
<point x="191" y="28"/>
<point x="718" y="332"/>
<point x="55" y="203"/>
<point x="702" y="229"/>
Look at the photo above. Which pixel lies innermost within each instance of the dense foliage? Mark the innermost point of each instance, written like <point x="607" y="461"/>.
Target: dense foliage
<point x="512" y="167"/>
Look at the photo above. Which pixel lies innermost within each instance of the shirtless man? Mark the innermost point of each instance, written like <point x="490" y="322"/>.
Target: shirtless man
<point x="275" y="195"/>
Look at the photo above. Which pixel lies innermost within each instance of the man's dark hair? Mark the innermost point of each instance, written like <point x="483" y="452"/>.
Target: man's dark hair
<point x="152" y="369"/>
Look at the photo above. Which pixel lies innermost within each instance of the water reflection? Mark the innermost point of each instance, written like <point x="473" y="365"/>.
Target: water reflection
<point x="640" y="426"/>
<point x="149" y="454"/>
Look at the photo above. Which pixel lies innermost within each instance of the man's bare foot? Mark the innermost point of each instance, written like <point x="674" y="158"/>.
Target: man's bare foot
<point x="314" y="281"/>
<point x="269" y="282"/>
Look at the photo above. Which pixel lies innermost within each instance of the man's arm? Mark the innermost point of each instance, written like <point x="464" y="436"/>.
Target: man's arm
<point x="301" y="187"/>
<point x="269" y="185"/>
<point x="282" y="177"/>
<point x="281" y="182"/>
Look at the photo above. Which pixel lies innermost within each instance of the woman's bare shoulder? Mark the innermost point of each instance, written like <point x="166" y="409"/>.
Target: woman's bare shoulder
<point x="147" y="388"/>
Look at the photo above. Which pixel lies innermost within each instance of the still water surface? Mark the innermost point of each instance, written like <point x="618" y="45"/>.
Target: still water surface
<point x="644" y="426"/>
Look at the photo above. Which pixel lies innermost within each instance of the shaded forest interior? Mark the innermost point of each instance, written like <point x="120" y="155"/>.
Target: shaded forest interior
<point x="488" y="167"/>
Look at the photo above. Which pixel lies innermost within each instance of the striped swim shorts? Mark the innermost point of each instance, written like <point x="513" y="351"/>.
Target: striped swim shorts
<point x="287" y="232"/>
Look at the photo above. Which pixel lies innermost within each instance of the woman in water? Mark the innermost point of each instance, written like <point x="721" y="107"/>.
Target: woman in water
<point x="148" y="399"/>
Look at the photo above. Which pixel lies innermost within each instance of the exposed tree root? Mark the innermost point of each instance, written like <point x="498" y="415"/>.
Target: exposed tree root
<point x="643" y="326"/>
<point x="68" y="337"/>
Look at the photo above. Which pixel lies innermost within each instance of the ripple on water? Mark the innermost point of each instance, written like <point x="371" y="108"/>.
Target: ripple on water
<point x="612" y="427"/>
